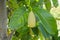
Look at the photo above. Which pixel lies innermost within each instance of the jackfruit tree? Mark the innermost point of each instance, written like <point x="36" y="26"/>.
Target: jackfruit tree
<point x="27" y="20"/>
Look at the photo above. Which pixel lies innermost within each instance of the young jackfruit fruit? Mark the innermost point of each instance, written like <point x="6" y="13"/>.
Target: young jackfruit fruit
<point x="31" y="20"/>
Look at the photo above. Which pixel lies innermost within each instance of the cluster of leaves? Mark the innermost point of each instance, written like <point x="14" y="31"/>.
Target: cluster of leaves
<point x="45" y="23"/>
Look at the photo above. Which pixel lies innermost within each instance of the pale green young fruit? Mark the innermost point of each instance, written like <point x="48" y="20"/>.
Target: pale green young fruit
<point x="31" y="20"/>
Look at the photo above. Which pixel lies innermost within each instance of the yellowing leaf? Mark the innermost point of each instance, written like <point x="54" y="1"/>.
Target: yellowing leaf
<point x="31" y="20"/>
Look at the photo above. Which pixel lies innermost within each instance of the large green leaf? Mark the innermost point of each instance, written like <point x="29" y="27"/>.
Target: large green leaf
<point x="41" y="28"/>
<point x="47" y="4"/>
<point x="55" y="3"/>
<point x="47" y="20"/>
<point x="17" y="18"/>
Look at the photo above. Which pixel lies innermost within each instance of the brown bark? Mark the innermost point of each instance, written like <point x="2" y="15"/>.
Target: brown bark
<point x="3" y="20"/>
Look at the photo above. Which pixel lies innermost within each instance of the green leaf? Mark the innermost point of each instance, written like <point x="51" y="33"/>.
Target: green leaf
<point x="17" y="18"/>
<point x="41" y="28"/>
<point x="47" y="4"/>
<point x="55" y="3"/>
<point x="13" y="4"/>
<point x="24" y="33"/>
<point x="37" y="4"/>
<point x="23" y="30"/>
<point x="15" y="38"/>
<point x="47" y="20"/>
<point x="26" y="37"/>
<point x="43" y="31"/>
